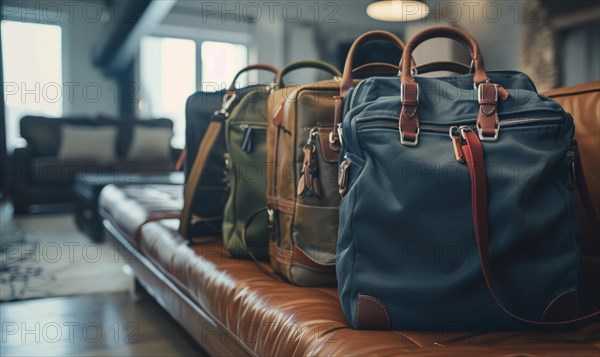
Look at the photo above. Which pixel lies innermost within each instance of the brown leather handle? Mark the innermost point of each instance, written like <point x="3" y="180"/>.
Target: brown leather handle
<point x="445" y="32"/>
<point x="347" y="80"/>
<point x="262" y="67"/>
<point x="377" y="67"/>
<point x="324" y="66"/>
<point x="447" y="66"/>
<point x="388" y="68"/>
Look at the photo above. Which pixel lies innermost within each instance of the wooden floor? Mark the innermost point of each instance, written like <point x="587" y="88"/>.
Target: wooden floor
<point x="92" y="325"/>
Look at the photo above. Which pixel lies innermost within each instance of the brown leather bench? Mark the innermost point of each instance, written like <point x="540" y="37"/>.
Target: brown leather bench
<point x="231" y="307"/>
<point x="128" y="209"/>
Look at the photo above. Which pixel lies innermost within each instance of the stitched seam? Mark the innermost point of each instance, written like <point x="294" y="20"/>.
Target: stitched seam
<point x="358" y="311"/>
<point x="554" y="300"/>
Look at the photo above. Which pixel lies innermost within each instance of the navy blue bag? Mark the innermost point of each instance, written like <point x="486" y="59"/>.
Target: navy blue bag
<point x="457" y="210"/>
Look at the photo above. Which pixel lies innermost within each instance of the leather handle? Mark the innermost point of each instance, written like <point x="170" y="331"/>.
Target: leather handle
<point x="388" y="68"/>
<point x="377" y="67"/>
<point x="447" y="66"/>
<point x="261" y="67"/>
<point x="324" y="66"/>
<point x="347" y="80"/>
<point x="451" y="33"/>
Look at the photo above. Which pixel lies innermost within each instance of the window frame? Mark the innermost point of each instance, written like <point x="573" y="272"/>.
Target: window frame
<point x="198" y="35"/>
<point x="41" y="19"/>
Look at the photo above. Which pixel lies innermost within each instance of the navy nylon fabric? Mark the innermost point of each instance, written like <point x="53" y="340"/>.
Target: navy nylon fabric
<point x="406" y="233"/>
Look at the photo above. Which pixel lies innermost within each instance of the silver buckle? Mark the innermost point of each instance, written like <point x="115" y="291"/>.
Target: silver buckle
<point x="332" y="139"/>
<point x="409" y="143"/>
<point x="488" y="138"/>
<point x="480" y="93"/>
<point x="497" y="129"/>
<point x="402" y="88"/>
<point x="340" y="135"/>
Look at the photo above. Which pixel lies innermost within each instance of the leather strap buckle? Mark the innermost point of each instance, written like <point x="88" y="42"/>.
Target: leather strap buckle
<point x="480" y="92"/>
<point x="403" y="89"/>
<point x="487" y="138"/>
<point x="409" y="121"/>
<point x="481" y="98"/>
<point x="403" y="141"/>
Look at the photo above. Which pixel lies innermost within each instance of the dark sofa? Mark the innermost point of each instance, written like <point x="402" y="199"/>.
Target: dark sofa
<point x="37" y="174"/>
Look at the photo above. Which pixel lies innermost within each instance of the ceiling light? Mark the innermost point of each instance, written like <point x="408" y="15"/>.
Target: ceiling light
<point x="397" y="10"/>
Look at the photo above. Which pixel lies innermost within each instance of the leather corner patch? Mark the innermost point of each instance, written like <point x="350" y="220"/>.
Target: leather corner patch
<point x="562" y="308"/>
<point x="371" y="314"/>
<point x="328" y="154"/>
<point x="300" y="258"/>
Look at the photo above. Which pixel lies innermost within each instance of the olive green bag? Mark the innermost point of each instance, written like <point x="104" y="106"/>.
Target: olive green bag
<point x="245" y="162"/>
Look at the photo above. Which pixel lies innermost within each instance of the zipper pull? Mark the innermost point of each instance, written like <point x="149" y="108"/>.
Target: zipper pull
<point x="343" y="176"/>
<point x="308" y="184"/>
<point x="572" y="172"/>
<point x="246" y="145"/>
<point x="454" y="134"/>
<point x="227" y="173"/>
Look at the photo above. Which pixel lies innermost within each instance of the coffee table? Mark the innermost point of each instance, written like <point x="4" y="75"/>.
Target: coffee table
<point x="87" y="190"/>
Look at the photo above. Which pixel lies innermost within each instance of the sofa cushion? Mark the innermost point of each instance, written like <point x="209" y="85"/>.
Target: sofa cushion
<point x="274" y="318"/>
<point x="80" y="142"/>
<point x="150" y="144"/>
<point x="126" y="129"/>
<point x="128" y="207"/>
<point x="43" y="134"/>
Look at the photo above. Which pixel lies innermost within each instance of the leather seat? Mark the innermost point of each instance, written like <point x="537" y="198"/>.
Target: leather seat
<point x="273" y="318"/>
<point x="128" y="207"/>
<point x="582" y="102"/>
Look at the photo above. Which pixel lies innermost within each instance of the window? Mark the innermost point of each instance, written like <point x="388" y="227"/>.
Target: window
<point x="168" y="75"/>
<point x="32" y="55"/>
<point x="221" y="61"/>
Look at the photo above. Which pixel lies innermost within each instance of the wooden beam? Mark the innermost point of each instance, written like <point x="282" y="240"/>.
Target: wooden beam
<point x="115" y="52"/>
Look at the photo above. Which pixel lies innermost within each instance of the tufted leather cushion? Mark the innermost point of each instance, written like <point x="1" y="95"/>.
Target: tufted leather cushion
<point x="274" y="318"/>
<point x="583" y="102"/>
<point x="128" y="207"/>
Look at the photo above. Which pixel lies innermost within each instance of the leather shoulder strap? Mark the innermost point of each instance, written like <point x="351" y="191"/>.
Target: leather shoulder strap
<point x="474" y="157"/>
<point x="208" y="141"/>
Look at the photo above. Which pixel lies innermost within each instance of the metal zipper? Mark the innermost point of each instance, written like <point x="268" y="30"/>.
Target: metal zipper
<point x="247" y="142"/>
<point x="339" y="128"/>
<point x="343" y="175"/>
<point x="252" y="126"/>
<point x="354" y="94"/>
<point x="530" y="120"/>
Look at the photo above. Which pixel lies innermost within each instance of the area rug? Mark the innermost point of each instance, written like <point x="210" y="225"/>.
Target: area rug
<point x="46" y="256"/>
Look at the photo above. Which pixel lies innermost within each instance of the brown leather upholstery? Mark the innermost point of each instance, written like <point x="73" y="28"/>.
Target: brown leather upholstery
<point x="128" y="207"/>
<point x="274" y="318"/>
<point x="583" y="102"/>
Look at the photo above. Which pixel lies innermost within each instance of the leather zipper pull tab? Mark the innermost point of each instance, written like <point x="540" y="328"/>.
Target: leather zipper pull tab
<point x="304" y="182"/>
<point x="455" y="136"/>
<point x="309" y="184"/>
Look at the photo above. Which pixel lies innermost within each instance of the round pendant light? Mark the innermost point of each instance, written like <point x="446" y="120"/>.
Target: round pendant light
<point x="397" y="10"/>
